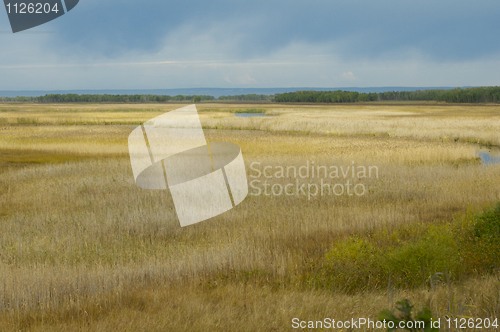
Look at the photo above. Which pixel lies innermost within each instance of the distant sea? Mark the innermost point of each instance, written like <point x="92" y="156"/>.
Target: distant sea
<point x="216" y="92"/>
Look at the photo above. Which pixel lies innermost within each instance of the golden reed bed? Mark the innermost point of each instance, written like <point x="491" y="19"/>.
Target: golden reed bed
<point x="83" y="249"/>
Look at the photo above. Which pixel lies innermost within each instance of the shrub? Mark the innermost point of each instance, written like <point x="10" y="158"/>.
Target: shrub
<point x="405" y="318"/>
<point x="408" y="256"/>
<point x="480" y="244"/>
<point x="411" y="254"/>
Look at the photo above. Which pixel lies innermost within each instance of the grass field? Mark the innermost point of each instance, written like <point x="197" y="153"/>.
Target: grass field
<point x="82" y="248"/>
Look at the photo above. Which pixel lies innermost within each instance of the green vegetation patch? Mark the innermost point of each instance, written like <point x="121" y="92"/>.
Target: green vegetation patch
<point x="411" y="255"/>
<point x="481" y="246"/>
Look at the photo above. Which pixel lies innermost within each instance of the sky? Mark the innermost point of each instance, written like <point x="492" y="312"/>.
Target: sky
<point x="158" y="44"/>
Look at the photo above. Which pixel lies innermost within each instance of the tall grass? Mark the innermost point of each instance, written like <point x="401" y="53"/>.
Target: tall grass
<point x="476" y="124"/>
<point x="83" y="248"/>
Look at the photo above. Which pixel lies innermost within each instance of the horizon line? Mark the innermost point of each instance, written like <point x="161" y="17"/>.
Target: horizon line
<point x="253" y="88"/>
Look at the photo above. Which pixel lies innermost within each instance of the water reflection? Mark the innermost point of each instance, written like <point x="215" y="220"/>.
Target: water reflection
<point x="489" y="156"/>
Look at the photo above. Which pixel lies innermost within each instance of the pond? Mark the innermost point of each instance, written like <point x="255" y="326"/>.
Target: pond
<point x="251" y="115"/>
<point x="489" y="156"/>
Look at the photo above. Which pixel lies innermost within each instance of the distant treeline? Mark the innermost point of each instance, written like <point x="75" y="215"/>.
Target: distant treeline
<point x="74" y="98"/>
<point x="251" y="97"/>
<point x="325" y="97"/>
<point x="468" y="95"/>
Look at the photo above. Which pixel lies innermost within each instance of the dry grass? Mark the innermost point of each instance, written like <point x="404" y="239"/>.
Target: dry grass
<point x="83" y="248"/>
<point x="475" y="123"/>
<point x="469" y="123"/>
<point x="68" y="140"/>
<point x="254" y="307"/>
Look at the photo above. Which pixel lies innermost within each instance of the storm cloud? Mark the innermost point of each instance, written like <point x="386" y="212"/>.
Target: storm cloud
<point x="160" y="44"/>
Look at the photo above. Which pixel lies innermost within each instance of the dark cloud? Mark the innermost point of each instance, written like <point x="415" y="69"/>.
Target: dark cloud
<point x="111" y="44"/>
<point x="441" y="30"/>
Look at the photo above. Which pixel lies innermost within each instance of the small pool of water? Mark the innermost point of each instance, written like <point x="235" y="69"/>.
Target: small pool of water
<point x="251" y="115"/>
<point x="489" y="156"/>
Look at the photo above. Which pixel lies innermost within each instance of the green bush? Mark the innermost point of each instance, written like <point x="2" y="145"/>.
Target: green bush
<point x="480" y="247"/>
<point x="414" y="261"/>
<point x="410" y="254"/>
<point x="487" y="225"/>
